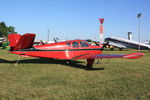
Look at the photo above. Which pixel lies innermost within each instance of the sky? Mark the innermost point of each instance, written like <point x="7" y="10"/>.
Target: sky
<point x="77" y="19"/>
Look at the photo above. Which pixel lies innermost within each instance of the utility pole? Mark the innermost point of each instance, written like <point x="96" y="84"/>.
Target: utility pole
<point x="139" y="29"/>
<point x="47" y="35"/>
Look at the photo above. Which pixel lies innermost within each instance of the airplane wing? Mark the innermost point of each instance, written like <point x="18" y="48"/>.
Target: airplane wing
<point x="125" y="56"/>
<point x="119" y="45"/>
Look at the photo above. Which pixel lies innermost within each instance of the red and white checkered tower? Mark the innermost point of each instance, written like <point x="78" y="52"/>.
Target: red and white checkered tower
<point x="101" y="31"/>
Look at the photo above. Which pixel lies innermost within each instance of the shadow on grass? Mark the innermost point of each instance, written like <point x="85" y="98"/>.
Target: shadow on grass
<point x="73" y="63"/>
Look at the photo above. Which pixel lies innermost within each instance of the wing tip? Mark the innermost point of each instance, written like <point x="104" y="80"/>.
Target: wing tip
<point x="134" y="55"/>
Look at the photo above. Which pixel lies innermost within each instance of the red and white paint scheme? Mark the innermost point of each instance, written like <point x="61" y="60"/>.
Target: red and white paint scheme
<point x="68" y="50"/>
<point x="101" y="20"/>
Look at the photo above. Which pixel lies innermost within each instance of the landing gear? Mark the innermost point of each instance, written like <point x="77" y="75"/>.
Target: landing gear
<point x="98" y="61"/>
<point x="111" y="49"/>
<point x="90" y="63"/>
<point x="120" y="49"/>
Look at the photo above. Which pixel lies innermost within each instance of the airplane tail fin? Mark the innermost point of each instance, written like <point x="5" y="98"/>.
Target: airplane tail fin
<point x="18" y="41"/>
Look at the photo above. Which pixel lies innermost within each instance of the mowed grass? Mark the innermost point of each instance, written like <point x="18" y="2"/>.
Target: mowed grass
<point x="49" y="79"/>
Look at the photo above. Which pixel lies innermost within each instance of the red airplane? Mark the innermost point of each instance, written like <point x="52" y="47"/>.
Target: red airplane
<point x="68" y="50"/>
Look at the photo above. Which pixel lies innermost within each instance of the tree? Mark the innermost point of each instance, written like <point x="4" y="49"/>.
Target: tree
<point x="11" y="29"/>
<point x="5" y="30"/>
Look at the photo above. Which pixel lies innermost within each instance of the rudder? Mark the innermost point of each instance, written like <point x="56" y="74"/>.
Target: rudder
<point x="18" y="42"/>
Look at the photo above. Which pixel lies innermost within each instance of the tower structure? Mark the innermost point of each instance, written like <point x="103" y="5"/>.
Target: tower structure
<point x="101" y="31"/>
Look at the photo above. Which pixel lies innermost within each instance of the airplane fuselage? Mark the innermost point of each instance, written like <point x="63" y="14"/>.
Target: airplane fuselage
<point x="62" y="50"/>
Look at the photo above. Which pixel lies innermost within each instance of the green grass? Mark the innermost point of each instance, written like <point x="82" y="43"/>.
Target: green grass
<point x="49" y="79"/>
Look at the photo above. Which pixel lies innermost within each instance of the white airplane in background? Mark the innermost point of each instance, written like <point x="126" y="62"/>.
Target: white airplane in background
<point x="122" y="43"/>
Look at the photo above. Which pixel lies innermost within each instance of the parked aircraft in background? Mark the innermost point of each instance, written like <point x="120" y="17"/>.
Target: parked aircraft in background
<point x="122" y="43"/>
<point x="1" y="40"/>
<point x="68" y="50"/>
<point x="147" y="42"/>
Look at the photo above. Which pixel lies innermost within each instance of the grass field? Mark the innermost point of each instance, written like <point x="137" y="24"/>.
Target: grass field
<point x="49" y="79"/>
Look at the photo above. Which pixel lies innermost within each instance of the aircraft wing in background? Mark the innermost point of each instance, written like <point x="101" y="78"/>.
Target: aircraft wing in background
<point x="118" y="45"/>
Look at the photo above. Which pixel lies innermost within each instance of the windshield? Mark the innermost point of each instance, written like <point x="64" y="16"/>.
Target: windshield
<point x="83" y="44"/>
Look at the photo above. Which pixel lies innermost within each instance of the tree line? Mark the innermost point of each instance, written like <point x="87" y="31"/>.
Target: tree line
<point x="5" y="30"/>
